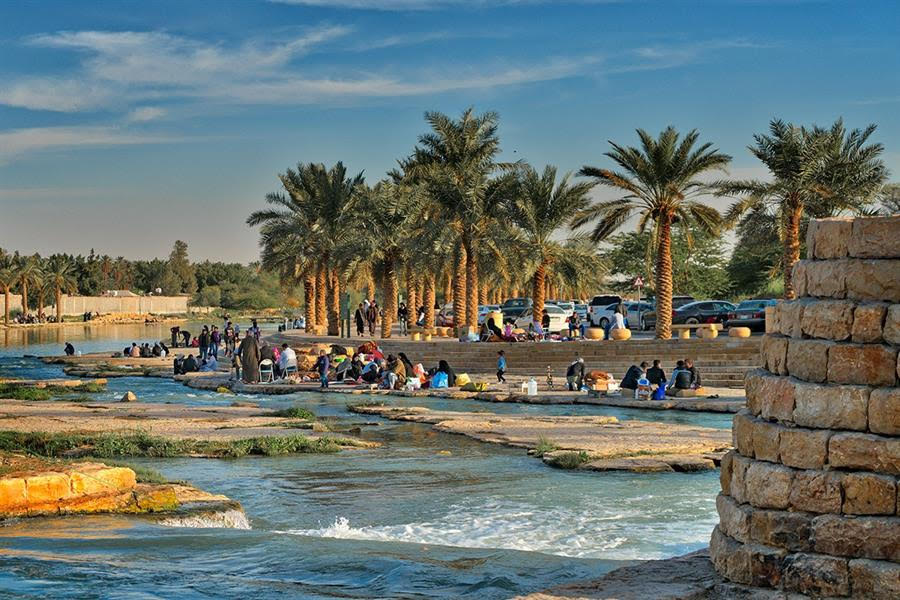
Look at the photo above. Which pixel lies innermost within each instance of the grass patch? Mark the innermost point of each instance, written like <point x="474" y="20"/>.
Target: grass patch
<point x="145" y="474"/>
<point x="136" y="443"/>
<point x="22" y="392"/>
<point x="544" y="446"/>
<point x="569" y="460"/>
<point x="294" y="412"/>
<point x="14" y="391"/>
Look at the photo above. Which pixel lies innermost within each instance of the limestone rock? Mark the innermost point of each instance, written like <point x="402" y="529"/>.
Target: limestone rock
<point x="828" y="319"/>
<point x="12" y="496"/>
<point x="875" y="237"/>
<point x="875" y="579"/>
<point x="129" y="396"/>
<point x="868" y="321"/>
<point x="790" y="318"/>
<point x="828" y="238"/>
<point x="798" y="277"/>
<point x="804" y="448"/>
<point x="766" y="565"/>
<point x="770" y="396"/>
<point x="155" y="498"/>
<point x="782" y="529"/>
<point x="102" y="480"/>
<point x="808" y="359"/>
<point x="724" y="473"/>
<point x="768" y="485"/>
<point x="816" y="491"/>
<point x="884" y="411"/>
<point x="766" y="440"/>
<point x="774" y="353"/>
<point x="830" y="406"/>
<point x="742" y="433"/>
<point x="865" y="452"/>
<point x="827" y="279"/>
<point x="44" y="492"/>
<point x="874" y="280"/>
<point x="817" y="575"/>
<point x="857" y="537"/>
<point x="734" y="518"/>
<point x="865" y="364"/>
<point x="869" y="494"/>
<point x="730" y="557"/>
<point x="738" y="487"/>
<point x="891" y="332"/>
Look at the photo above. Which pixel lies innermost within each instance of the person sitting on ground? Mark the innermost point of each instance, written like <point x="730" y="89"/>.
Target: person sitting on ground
<point x="680" y="380"/>
<point x="287" y="359"/>
<point x="69" y="349"/>
<point x="210" y="364"/>
<point x="145" y="351"/>
<point x="655" y="375"/>
<point x="370" y="372"/>
<point x="189" y="365"/>
<point x="135" y="350"/>
<point x="695" y="374"/>
<point x="444" y="367"/>
<point x="157" y="350"/>
<point x="536" y="331"/>
<point x="630" y="381"/>
<point x="407" y="364"/>
<point x="494" y="329"/>
<point x="394" y="378"/>
<point x="575" y="374"/>
<point x="164" y="350"/>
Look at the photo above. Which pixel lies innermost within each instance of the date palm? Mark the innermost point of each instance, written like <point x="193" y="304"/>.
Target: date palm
<point x="660" y="184"/>
<point x="8" y="278"/>
<point x="60" y="274"/>
<point x="816" y="172"/>
<point x="541" y="207"/>
<point x="29" y="272"/>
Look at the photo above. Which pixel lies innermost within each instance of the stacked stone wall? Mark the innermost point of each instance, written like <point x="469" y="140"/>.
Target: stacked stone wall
<point x="810" y="500"/>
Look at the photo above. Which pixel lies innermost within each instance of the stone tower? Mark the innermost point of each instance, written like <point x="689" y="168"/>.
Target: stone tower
<point x="809" y="501"/>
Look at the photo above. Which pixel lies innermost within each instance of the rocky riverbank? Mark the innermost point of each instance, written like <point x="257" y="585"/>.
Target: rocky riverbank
<point x="597" y="443"/>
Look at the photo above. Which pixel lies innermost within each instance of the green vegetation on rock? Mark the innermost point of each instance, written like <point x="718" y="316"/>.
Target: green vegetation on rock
<point x="569" y="460"/>
<point x="544" y="446"/>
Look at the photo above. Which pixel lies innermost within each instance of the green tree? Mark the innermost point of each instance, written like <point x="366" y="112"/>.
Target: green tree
<point x="61" y="275"/>
<point x="8" y="278"/>
<point x="815" y="172"/>
<point x="29" y="271"/>
<point x="660" y="183"/>
<point x="180" y="267"/>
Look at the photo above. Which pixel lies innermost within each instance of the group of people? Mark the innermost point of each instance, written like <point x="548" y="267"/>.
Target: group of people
<point x="368" y="314"/>
<point x="685" y="376"/>
<point x="32" y="318"/>
<point x="145" y="350"/>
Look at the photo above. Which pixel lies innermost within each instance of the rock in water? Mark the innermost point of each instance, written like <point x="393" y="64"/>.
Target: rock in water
<point x="129" y="396"/>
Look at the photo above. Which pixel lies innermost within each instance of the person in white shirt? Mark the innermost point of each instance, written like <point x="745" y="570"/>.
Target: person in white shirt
<point x="288" y="359"/>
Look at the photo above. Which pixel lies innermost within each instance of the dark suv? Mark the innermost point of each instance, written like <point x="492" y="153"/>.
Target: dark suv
<point x="513" y="308"/>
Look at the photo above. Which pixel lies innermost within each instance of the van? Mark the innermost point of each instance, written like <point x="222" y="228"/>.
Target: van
<point x="598" y="305"/>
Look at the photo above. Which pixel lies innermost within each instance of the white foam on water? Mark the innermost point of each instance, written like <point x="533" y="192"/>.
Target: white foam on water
<point x="226" y="519"/>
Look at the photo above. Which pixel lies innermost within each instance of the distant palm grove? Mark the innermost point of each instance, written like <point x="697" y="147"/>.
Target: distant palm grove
<point x="452" y="220"/>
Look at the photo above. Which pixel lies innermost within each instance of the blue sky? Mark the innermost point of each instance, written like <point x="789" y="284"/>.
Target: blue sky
<point x="125" y="125"/>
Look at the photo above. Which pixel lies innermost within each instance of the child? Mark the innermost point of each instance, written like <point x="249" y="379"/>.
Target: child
<point x="501" y="367"/>
<point x="549" y="377"/>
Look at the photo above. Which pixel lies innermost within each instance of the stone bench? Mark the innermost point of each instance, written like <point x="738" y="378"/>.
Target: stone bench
<point x="704" y="330"/>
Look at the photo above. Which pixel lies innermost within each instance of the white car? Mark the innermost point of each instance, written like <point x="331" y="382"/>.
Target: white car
<point x="634" y="310"/>
<point x="484" y="309"/>
<point x="557" y="319"/>
<point x="567" y="306"/>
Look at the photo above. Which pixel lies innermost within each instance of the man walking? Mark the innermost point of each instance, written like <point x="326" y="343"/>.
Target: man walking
<point x="360" y="318"/>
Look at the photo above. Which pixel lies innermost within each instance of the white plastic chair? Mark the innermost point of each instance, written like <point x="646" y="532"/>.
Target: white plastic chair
<point x="266" y="371"/>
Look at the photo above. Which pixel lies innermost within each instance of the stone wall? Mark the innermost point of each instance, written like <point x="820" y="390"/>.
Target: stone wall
<point x="158" y="305"/>
<point x="809" y="500"/>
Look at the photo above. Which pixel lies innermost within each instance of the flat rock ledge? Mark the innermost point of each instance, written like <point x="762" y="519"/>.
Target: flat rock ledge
<point x="595" y="443"/>
<point x="688" y="577"/>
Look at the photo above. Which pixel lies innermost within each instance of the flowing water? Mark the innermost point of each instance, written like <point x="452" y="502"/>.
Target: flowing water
<point x="427" y="515"/>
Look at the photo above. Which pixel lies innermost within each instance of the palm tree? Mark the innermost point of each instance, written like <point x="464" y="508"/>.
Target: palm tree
<point x="8" y="278"/>
<point x="61" y="275"/>
<point x="814" y="171"/>
<point x="659" y="181"/>
<point x="28" y="271"/>
<point x="542" y="207"/>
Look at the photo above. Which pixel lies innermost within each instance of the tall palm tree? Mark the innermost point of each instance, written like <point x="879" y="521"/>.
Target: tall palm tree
<point x="29" y="271"/>
<point x="541" y="207"/>
<point x="815" y="171"/>
<point x="660" y="184"/>
<point x="8" y="278"/>
<point x="61" y="275"/>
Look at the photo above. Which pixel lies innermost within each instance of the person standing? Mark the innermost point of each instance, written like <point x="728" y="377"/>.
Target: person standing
<point x="204" y="342"/>
<point x="360" y="318"/>
<point x="402" y="316"/>
<point x="254" y="329"/>
<point x="215" y="339"/>
<point x="175" y="331"/>
<point x="322" y="366"/>
<point x="186" y="336"/>
<point x="372" y="317"/>
<point x="501" y="367"/>
<point x="249" y="353"/>
<point x="229" y="339"/>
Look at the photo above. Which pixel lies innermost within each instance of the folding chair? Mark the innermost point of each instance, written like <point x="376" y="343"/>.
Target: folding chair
<point x="266" y="371"/>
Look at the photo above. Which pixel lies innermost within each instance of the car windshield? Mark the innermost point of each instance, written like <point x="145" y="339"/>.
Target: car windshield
<point x="552" y="309"/>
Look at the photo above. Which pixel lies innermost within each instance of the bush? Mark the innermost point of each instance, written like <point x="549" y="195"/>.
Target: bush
<point x="569" y="460"/>
<point x="544" y="446"/>
<point x="294" y="412"/>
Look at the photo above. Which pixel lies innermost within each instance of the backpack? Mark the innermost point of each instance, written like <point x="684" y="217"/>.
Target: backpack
<point x="439" y="380"/>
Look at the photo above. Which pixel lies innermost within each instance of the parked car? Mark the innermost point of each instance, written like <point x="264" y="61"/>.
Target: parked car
<point x="513" y="308"/>
<point x="750" y="313"/>
<point x="581" y="310"/>
<point x="598" y="305"/>
<point x="483" y="311"/>
<point x="705" y="311"/>
<point x="557" y="319"/>
<point x="634" y="314"/>
<point x="567" y="306"/>
<point x="444" y="317"/>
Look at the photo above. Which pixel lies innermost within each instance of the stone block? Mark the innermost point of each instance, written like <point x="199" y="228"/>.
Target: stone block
<point x="725" y="472"/>
<point x="102" y="481"/>
<point x="830" y="406"/>
<point x="857" y="537"/>
<point x="864" y="364"/>
<point x="884" y="411"/>
<point x="804" y="448"/>
<point x="798" y="278"/>
<point x="828" y="319"/>
<point x="808" y="359"/>
<point x="774" y="353"/>
<point x="742" y="433"/>
<point x="768" y="485"/>
<point x="12" y="496"/>
<point x="155" y="499"/>
<point x="874" y="280"/>
<point x="875" y="579"/>
<point x="781" y="529"/>
<point x="730" y="558"/>
<point x="828" y="278"/>
<point x="44" y="491"/>
<point x="891" y="331"/>
<point x="865" y="452"/>
<point x="116" y="502"/>
<point x="738" y="487"/>
<point x="816" y="491"/>
<point x="755" y="383"/>
<point x="816" y="575"/>
<point x="875" y="237"/>
<point x="734" y="518"/>
<point x="868" y="322"/>
<point x="773" y="318"/>
<point x="769" y="396"/>
<point x="869" y="494"/>
<point x="790" y="318"/>
<point x="766" y="440"/>
<point x="828" y="238"/>
<point x="766" y="565"/>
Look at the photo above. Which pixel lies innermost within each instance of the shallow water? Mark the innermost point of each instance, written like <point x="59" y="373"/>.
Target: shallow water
<point x="427" y="515"/>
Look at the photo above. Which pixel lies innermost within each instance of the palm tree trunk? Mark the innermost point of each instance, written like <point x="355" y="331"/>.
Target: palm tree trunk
<point x="40" y="302"/>
<point x="428" y="302"/>
<point x="537" y="292"/>
<point x="58" y="304"/>
<point x="471" y="287"/>
<point x="390" y="298"/>
<point x="24" y="298"/>
<point x="334" y="303"/>
<point x="6" y="305"/>
<point x="309" y="300"/>
<point x="459" y="288"/>
<point x="411" y="297"/>
<point x="664" y="281"/>
<point x="791" y="249"/>
<point x="448" y="288"/>
<point x="321" y="290"/>
<point x="370" y="288"/>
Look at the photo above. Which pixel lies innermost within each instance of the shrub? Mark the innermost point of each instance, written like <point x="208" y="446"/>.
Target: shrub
<point x="544" y="446"/>
<point x="569" y="460"/>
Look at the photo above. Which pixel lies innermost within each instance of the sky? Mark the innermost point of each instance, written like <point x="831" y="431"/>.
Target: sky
<point x="127" y="125"/>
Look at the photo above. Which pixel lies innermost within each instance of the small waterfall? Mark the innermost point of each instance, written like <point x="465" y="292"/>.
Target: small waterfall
<point x="227" y="519"/>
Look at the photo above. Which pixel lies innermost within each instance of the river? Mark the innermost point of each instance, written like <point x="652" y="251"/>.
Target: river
<point x="427" y="515"/>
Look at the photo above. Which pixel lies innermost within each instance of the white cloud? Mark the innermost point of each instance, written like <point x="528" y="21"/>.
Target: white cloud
<point x="146" y="113"/>
<point x="18" y="142"/>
